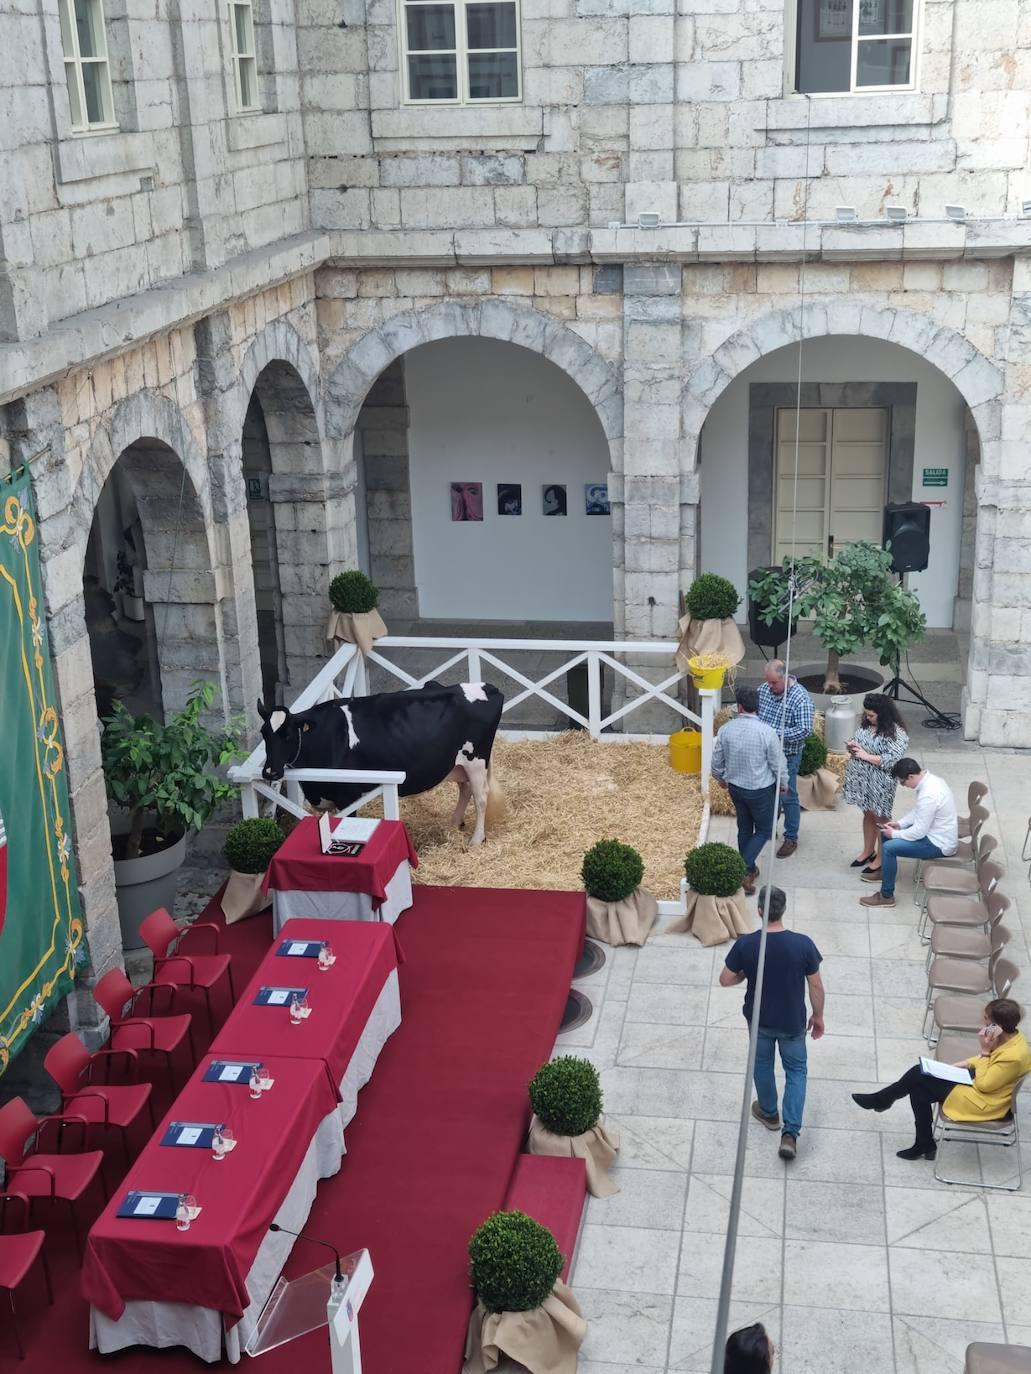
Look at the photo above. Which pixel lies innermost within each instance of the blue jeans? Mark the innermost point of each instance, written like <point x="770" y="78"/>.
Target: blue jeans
<point x="793" y="1057"/>
<point x="893" y="850"/>
<point x="789" y="801"/>
<point x="754" y="807"/>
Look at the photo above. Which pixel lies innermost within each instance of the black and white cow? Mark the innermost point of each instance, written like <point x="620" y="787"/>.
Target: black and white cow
<point x="433" y="735"/>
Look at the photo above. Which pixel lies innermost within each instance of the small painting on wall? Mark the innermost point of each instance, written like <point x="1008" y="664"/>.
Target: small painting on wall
<point x="466" y="500"/>
<point x="596" y="498"/>
<point x="510" y="498"/>
<point x="554" y="499"/>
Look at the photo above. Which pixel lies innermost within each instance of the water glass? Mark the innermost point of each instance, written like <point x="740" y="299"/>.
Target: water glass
<point x="295" y="1010"/>
<point x="264" y="1078"/>
<point x="325" y="956"/>
<point x="218" y="1145"/>
<point x="182" y="1214"/>
<point x="228" y="1138"/>
<point x="305" y="1007"/>
<point x="255" y="1083"/>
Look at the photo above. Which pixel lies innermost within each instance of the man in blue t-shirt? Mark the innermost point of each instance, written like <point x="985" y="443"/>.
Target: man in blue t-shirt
<point x="792" y="962"/>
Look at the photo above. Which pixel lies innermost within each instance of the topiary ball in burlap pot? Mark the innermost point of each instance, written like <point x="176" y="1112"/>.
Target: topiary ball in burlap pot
<point x="619" y="910"/>
<point x="249" y="847"/>
<point x="716" y="910"/>
<point x="566" y="1098"/>
<point x="354" y="618"/>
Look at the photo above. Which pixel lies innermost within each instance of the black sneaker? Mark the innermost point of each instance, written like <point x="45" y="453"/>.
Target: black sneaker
<point x="788" y="1146"/>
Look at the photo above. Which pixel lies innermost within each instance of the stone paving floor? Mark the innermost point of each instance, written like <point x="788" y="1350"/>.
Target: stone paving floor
<point x="853" y="1259"/>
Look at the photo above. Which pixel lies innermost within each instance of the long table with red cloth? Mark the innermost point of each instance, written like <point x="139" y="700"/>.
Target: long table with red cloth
<point x="304" y="882"/>
<point x="148" y="1283"/>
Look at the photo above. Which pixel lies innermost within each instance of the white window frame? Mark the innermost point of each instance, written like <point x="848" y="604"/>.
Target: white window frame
<point x="238" y="57"/>
<point x="74" y="63"/>
<point x="461" y="51"/>
<point x="791" y="54"/>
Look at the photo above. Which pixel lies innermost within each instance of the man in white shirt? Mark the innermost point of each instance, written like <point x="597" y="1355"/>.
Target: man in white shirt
<point x="930" y="831"/>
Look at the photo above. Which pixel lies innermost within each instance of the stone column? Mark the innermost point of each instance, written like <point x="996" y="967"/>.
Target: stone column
<point x="383" y="422"/>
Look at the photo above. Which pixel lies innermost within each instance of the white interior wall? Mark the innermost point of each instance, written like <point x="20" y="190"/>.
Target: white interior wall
<point x="490" y="412"/>
<point x="939" y="444"/>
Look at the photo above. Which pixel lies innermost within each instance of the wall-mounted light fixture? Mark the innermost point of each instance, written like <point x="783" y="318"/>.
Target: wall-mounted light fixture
<point x="648" y="219"/>
<point x="896" y="213"/>
<point x="846" y="214"/>
<point x="956" y="211"/>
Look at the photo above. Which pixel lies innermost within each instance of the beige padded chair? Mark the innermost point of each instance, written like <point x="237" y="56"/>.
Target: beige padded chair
<point x="954" y="875"/>
<point x="976" y="793"/>
<point x="968" y="941"/>
<point x="964" y="975"/>
<point x="966" y="853"/>
<point x="957" y="1011"/>
<point x="963" y="909"/>
<point x="985" y="1357"/>
<point x="952" y="1049"/>
<point x="1004" y="1132"/>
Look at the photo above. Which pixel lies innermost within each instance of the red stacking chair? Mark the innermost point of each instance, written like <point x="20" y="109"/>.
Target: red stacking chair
<point x="157" y="1034"/>
<point x="18" y="1253"/>
<point x="70" y="1064"/>
<point x="46" y="1175"/>
<point x="161" y="936"/>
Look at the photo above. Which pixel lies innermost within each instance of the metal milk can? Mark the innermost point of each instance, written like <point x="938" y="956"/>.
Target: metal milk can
<point x="839" y="724"/>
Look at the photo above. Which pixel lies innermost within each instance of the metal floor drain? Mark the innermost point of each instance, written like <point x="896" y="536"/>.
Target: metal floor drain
<point x="578" y="1010"/>
<point x="590" y="961"/>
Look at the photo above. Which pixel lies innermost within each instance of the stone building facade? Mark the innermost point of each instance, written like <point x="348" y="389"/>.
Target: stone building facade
<point x="655" y="215"/>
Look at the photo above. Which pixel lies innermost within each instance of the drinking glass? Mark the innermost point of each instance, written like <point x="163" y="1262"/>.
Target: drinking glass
<point x="264" y="1078"/>
<point x="190" y="1203"/>
<point x="325" y="956"/>
<point x="218" y="1145"/>
<point x="255" y="1084"/>
<point x="295" y="1010"/>
<point x="228" y="1138"/>
<point x="182" y="1214"/>
<point x="305" y="1007"/>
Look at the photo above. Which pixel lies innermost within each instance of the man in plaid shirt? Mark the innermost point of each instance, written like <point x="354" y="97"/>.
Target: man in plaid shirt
<point x="784" y="701"/>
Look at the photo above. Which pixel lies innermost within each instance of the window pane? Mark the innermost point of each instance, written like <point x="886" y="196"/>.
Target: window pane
<point x="93" y="82"/>
<point x="248" y="83"/>
<point x="66" y="29"/>
<point x="493" y="76"/>
<point x="74" y="104"/>
<point x="433" y="78"/>
<point x="491" y="26"/>
<point x="824" y="45"/>
<point x="885" y="16"/>
<point x="430" y="27"/>
<point x="883" y="62"/>
<point x="243" y="32"/>
<point x="88" y="23"/>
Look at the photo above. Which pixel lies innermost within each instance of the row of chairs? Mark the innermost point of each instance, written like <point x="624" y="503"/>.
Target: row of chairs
<point x="88" y="1104"/>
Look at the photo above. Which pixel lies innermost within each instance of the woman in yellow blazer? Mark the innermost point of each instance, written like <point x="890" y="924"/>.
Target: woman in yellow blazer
<point x="1004" y="1060"/>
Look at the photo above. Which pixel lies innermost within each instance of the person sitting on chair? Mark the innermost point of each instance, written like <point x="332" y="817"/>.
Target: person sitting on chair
<point x="1004" y="1060"/>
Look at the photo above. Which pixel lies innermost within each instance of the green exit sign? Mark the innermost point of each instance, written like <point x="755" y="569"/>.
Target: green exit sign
<point x="936" y="477"/>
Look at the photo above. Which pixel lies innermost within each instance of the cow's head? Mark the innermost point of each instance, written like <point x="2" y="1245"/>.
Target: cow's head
<point x="282" y="735"/>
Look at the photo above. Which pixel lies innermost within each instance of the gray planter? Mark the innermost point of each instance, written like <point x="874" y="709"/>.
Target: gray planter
<point x="142" y="885"/>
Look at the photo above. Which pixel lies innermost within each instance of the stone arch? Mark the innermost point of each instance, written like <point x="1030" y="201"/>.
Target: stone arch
<point x="279" y="345"/>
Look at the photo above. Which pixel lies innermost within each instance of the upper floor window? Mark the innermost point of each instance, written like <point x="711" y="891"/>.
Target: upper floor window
<point x="244" y="56"/>
<point x="86" y="67"/>
<point x="855" y="45"/>
<point x="461" y="52"/>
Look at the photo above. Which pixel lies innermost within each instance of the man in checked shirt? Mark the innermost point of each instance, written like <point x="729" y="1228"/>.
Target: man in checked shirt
<point x="783" y="700"/>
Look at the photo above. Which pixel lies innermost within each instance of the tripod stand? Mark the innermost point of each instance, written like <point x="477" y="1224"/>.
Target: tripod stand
<point x="937" y="718"/>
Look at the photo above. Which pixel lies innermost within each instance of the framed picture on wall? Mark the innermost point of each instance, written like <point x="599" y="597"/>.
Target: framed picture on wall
<point x="833" y="20"/>
<point x="510" y="498"/>
<point x="553" y="499"/>
<point x="596" y="498"/>
<point x="466" y="500"/>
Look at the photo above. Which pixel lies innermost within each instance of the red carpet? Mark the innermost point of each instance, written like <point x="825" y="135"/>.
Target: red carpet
<point x="430" y="1152"/>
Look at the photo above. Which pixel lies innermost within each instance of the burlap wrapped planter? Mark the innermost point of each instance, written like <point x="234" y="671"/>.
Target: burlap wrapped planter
<point x="818" y="791"/>
<point x="708" y="637"/>
<point x="356" y="627"/>
<point x="622" y="923"/>
<point x="243" y="896"/>
<point x="544" y="1340"/>
<point x="714" y="920"/>
<point x="596" y="1147"/>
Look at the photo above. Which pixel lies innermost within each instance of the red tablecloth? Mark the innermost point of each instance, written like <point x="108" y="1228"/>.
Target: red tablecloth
<point x="341" y="998"/>
<point x="207" y="1266"/>
<point x="299" y="864"/>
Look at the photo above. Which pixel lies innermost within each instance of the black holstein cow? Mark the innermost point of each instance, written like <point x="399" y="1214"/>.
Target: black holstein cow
<point x="433" y="735"/>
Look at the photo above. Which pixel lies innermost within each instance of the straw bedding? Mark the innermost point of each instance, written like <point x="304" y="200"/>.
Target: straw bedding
<point x="560" y="796"/>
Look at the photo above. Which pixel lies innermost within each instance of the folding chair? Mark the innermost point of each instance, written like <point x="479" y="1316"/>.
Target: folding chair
<point x="962" y="908"/>
<point x="162" y="937"/>
<point x="957" y="1011"/>
<point x="18" y="1253"/>
<point x="70" y="1064"/>
<point x="988" y="1357"/>
<point x="954" y="877"/>
<point x="966" y="850"/>
<point x="968" y="941"/>
<point x="976" y="793"/>
<point x="1005" y="1132"/>
<point x="964" y="975"/>
<point x="153" y="1034"/>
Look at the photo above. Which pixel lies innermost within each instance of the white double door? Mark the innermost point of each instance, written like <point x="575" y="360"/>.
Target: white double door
<point x="838" y="495"/>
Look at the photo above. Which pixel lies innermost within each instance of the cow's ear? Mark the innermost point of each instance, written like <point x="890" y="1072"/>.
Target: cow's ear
<point x="261" y="710"/>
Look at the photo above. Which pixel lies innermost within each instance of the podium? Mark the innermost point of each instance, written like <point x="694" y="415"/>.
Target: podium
<point x="297" y="1306"/>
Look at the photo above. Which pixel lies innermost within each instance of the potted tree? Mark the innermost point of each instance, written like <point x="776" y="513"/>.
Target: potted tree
<point x="354" y="618"/>
<point x="164" y="778"/>
<point x="716" y="910"/>
<point x="708" y="627"/>
<point x="523" y="1309"/>
<point x="619" y="910"/>
<point x="566" y="1099"/>
<point x="817" y="785"/>
<point x="248" y="849"/>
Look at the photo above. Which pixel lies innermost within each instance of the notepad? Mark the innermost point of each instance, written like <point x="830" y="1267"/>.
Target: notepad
<point x="949" y="1072"/>
<point x="347" y="836"/>
<point x="300" y="949"/>
<point x="150" y="1206"/>
<point x="278" y="997"/>
<point x="229" y="1071"/>
<point x="196" y="1133"/>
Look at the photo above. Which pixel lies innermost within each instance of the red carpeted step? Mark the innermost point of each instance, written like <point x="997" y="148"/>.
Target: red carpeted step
<point x="552" y="1191"/>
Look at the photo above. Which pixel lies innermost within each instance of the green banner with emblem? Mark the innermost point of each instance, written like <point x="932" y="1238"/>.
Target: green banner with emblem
<point x="41" y="936"/>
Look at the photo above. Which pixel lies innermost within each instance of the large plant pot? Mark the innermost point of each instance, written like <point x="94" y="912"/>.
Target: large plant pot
<point x="142" y="885"/>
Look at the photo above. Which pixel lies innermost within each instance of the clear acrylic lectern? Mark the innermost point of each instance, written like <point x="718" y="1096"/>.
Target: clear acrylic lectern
<point x="297" y="1306"/>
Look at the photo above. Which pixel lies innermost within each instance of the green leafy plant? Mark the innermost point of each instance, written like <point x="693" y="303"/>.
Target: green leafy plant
<point x="514" y="1262"/>
<point x="712" y="597"/>
<point x="566" y="1095"/>
<point x="250" y="844"/>
<point x="353" y="593"/>
<point x="167" y="773"/>
<point x="853" y="600"/>
<point x="814" y="756"/>
<point x="714" y="869"/>
<point x="611" y="870"/>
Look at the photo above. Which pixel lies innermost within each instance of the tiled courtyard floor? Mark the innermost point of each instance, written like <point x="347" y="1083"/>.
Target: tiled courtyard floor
<point x="853" y="1259"/>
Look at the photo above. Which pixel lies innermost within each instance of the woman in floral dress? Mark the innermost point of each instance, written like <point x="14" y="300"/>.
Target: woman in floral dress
<point x="880" y="742"/>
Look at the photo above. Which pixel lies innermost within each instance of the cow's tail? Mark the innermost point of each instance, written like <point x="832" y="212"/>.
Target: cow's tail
<point x="495" y="799"/>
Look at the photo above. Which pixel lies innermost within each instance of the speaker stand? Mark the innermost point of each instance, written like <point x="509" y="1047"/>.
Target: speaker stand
<point x="937" y="718"/>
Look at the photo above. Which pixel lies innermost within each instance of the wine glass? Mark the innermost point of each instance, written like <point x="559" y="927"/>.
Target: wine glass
<point x="182" y="1214"/>
<point x="255" y="1083"/>
<point x="218" y="1145"/>
<point x="295" y="1009"/>
<point x="325" y="956"/>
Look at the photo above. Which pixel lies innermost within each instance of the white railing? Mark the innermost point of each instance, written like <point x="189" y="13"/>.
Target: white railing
<point x="346" y="674"/>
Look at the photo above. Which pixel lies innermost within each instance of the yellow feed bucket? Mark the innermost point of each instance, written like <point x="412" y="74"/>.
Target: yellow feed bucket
<point x="685" y="751"/>
<point x="708" y="670"/>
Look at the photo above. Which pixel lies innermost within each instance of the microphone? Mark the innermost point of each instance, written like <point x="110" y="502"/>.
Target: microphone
<point x="338" y="1277"/>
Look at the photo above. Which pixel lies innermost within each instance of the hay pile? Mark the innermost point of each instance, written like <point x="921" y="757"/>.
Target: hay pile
<point x="561" y="795"/>
<point x="719" y="798"/>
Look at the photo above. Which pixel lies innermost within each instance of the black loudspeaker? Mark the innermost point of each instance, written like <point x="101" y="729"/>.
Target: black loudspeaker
<point x="761" y="634"/>
<point x="907" y="528"/>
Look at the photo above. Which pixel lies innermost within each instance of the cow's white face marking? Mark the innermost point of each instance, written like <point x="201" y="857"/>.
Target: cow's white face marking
<point x="352" y="738"/>
<point x="473" y="691"/>
<point x="275" y="720"/>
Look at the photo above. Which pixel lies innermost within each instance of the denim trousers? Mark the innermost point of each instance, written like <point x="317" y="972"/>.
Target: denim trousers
<point x="754" y="807"/>
<point x="793" y="1058"/>
<point x="789" y="805"/>
<point x="893" y="850"/>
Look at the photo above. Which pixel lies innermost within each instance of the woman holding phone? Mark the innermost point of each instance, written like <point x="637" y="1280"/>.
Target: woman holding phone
<point x="1004" y="1060"/>
<point x="879" y="743"/>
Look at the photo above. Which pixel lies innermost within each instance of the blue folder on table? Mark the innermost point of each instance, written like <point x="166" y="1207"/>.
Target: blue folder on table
<point x="230" y="1071"/>
<point x="300" y="949"/>
<point x="197" y="1134"/>
<point x="149" y="1206"/>
<point x="278" y="997"/>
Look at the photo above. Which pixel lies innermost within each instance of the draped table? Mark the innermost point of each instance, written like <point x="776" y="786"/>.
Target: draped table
<point x="375" y="885"/>
<point x="149" y="1284"/>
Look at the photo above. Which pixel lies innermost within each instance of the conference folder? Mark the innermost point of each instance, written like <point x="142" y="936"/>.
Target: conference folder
<point x="198" y="1134"/>
<point x="278" y="997"/>
<point x="230" y="1071"/>
<point x="300" y="949"/>
<point x="150" y="1206"/>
